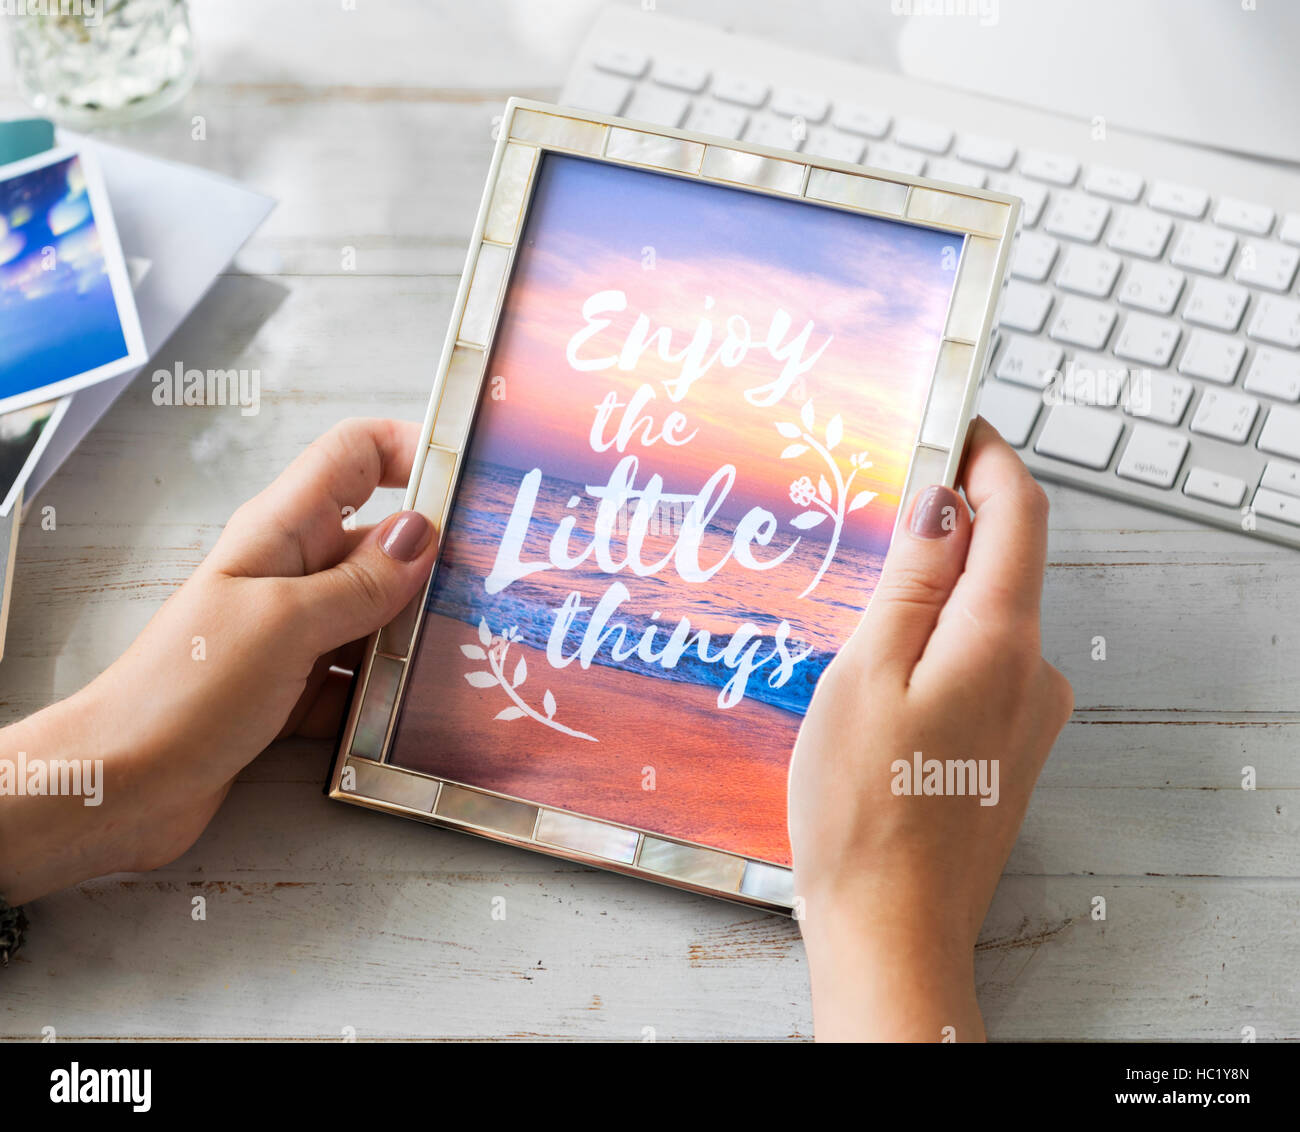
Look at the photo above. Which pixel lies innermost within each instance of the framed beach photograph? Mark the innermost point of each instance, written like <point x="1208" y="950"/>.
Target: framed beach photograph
<point x="689" y="389"/>
<point x="67" y="314"/>
<point x="24" y="435"/>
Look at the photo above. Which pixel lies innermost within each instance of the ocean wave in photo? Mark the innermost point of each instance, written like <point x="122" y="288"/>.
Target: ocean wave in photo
<point x="820" y="621"/>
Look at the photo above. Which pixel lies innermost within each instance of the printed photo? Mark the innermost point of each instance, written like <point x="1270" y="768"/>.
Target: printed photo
<point x="24" y="433"/>
<point x="67" y="314"/>
<point x="694" y="432"/>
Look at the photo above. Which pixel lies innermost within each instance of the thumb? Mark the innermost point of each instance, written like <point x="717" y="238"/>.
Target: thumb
<point x="374" y="583"/>
<point x="924" y="562"/>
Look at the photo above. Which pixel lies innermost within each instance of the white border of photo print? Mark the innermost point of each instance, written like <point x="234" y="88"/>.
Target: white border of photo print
<point x="119" y="279"/>
<point x="48" y="427"/>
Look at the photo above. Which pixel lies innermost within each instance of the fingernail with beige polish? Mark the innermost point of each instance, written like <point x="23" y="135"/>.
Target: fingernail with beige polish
<point x="406" y="537"/>
<point x="934" y="514"/>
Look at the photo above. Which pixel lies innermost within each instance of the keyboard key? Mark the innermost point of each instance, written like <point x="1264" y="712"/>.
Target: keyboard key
<point x="1281" y="433"/>
<point x="605" y="94"/>
<point x="1157" y="397"/>
<point x="689" y="77"/>
<point x="858" y="120"/>
<point x="1059" y="168"/>
<point x="1214" y="304"/>
<point x="1274" y="505"/>
<point x="1013" y="412"/>
<point x="958" y="172"/>
<point x="1266" y="264"/>
<point x="1033" y="256"/>
<point x="1254" y="219"/>
<point x="717" y="118"/>
<point x="1203" y="248"/>
<point x="780" y="133"/>
<point x="1281" y="476"/>
<point x="622" y="61"/>
<point x="1029" y="361"/>
<point x="1083" y="322"/>
<point x="1215" y="357"/>
<point x="825" y="142"/>
<point x="1274" y="374"/>
<point x="1153" y="455"/>
<point x="1078" y="216"/>
<point x="740" y="89"/>
<point x="1025" y="307"/>
<point x="662" y="107"/>
<point x="992" y="152"/>
<point x="1151" y="287"/>
<point x="1276" y="321"/>
<point x="1289" y="232"/>
<point x="929" y="136"/>
<point x="803" y="104"/>
<point x="1148" y="340"/>
<point x="1118" y="184"/>
<point x="1088" y="272"/>
<point x="1032" y="194"/>
<point x="1224" y="415"/>
<point x="1139" y="231"/>
<point x="1181" y="200"/>
<point x="1093" y="379"/>
<point x="1080" y="436"/>
<point x="1215" y="487"/>
<point x="883" y="155"/>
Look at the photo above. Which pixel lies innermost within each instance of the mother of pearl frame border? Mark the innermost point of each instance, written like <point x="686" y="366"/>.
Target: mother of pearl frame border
<point x="985" y="223"/>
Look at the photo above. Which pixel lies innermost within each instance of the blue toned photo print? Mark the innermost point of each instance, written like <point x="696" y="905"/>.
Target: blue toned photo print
<point x="67" y="316"/>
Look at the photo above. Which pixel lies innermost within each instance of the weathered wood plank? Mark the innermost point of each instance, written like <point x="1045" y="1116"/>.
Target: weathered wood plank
<point x="601" y="957"/>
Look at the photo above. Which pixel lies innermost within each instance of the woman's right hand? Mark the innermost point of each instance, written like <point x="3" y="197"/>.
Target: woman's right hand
<point x="946" y="663"/>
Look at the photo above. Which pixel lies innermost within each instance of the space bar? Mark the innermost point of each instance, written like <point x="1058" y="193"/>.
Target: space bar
<point x="1080" y="435"/>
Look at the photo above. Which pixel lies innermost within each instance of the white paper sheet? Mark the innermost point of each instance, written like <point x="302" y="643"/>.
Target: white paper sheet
<point x="189" y="223"/>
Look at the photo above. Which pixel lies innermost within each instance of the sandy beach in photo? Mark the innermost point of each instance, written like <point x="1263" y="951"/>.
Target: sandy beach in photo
<point x="721" y="780"/>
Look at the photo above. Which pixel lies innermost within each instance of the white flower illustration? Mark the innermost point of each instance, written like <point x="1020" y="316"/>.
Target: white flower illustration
<point x="829" y="499"/>
<point x="495" y="649"/>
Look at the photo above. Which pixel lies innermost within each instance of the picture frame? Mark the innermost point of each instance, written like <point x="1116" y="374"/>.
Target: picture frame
<point x="983" y="222"/>
<point x="65" y="287"/>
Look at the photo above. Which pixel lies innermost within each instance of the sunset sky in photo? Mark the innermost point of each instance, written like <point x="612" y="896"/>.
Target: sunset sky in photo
<point x="877" y="289"/>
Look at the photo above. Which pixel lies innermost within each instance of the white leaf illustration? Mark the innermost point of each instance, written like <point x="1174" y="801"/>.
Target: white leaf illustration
<point x="862" y="499"/>
<point x="473" y="652"/>
<point x="834" y="431"/>
<point x="807" y="520"/>
<point x="481" y="679"/>
<point x="521" y="673"/>
<point x="484" y="633"/>
<point x="510" y="713"/>
<point x="806" y="414"/>
<point x="787" y="430"/>
<point x="548" y="703"/>
<point x="793" y="451"/>
<point x="824" y="489"/>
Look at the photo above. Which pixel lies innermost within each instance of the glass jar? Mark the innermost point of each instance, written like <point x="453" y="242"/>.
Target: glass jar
<point x="102" y="62"/>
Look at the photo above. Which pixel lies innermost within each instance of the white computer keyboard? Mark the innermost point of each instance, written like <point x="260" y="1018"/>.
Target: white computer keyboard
<point x="1149" y="339"/>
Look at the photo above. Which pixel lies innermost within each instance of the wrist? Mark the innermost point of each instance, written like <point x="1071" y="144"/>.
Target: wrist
<point x="884" y="967"/>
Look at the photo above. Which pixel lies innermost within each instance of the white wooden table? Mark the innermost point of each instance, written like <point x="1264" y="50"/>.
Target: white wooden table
<point x="373" y="129"/>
